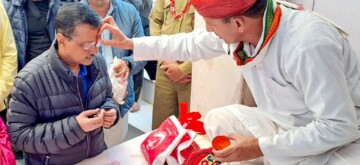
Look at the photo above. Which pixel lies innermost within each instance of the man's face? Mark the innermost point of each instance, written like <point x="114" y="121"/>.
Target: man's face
<point x="99" y="3"/>
<point x="79" y="48"/>
<point x="228" y="31"/>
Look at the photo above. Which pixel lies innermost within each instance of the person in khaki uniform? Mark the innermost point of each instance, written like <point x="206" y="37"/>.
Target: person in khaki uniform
<point x="173" y="78"/>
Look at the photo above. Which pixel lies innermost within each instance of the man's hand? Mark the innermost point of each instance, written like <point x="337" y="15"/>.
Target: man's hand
<point x="185" y="79"/>
<point x="119" y="40"/>
<point x="109" y="117"/>
<point x="172" y="71"/>
<point x="90" y="119"/>
<point x="245" y="148"/>
<point x="122" y="70"/>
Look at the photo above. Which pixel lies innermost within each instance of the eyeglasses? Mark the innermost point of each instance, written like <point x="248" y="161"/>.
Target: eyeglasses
<point x="86" y="46"/>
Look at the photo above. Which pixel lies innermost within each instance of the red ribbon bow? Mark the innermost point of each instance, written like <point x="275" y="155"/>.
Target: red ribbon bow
<point x="191" y="120"/>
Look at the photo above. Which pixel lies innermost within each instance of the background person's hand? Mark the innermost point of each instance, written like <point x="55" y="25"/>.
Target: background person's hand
<point x="90" y="120"/>
<point x="172" y="71"/>
<point x="119" y="40"/>
<point x="244" y="148"/>
<point x="122" y="70"/>
<point x="109" y="117"/>
<point x="185" y="79"/>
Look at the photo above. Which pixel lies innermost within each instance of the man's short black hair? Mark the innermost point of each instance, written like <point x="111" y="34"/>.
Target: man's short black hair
<point x="72" y="14"/>
<point x="255" y="11"/>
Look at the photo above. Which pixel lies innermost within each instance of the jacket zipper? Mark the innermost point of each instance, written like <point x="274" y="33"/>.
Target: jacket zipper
<point x="87" y="97"/>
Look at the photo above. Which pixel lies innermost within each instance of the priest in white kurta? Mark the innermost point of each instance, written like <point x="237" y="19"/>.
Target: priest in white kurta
<point x="303" y="73"/>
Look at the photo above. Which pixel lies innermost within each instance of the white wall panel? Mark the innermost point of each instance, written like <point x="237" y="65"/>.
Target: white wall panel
<point x="346" y="13"/>
<point x="215" y="82"/>
<point x="308" y="4"/>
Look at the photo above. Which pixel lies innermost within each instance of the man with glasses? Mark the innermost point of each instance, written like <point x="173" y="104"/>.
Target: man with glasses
<point x="63" y="98"/>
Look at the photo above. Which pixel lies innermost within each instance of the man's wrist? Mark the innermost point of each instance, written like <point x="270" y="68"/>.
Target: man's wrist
<point x="256" y="147"/>
<point x="129" y="44"/>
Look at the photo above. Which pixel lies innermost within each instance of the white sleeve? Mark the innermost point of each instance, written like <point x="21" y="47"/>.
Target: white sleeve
<point x="319" y="72"/>
<point x="193" y="46"/>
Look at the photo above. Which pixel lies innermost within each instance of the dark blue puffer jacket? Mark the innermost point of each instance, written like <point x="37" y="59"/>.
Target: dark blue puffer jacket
<point x="45" y="101"/>
<point x="16" y="10"/>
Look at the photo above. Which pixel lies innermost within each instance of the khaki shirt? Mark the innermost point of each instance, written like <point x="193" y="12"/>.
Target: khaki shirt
<point x="162" y="22"/>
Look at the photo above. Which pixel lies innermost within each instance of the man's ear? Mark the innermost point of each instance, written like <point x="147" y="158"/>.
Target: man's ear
<point x="239" y="21"/>
<point x="60" y="39"/>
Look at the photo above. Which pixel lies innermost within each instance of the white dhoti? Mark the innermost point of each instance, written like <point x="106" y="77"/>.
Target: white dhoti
<point x="251" y="121"/>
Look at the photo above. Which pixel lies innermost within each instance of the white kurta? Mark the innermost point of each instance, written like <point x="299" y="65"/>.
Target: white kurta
<point x="307" y="83"/>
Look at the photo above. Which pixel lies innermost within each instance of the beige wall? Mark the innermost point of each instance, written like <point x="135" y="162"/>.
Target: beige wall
<point x="215" y="82"/>
<point x="308" y="4"/>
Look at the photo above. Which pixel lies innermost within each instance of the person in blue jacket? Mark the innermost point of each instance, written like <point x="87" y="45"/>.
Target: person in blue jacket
<point x="62" y="100"/>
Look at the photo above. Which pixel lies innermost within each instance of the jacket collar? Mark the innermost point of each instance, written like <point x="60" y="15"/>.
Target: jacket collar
<point x="64" y="71"/>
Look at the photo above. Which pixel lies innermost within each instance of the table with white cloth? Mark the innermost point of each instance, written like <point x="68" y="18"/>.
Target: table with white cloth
<point x="129" y="152"/>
